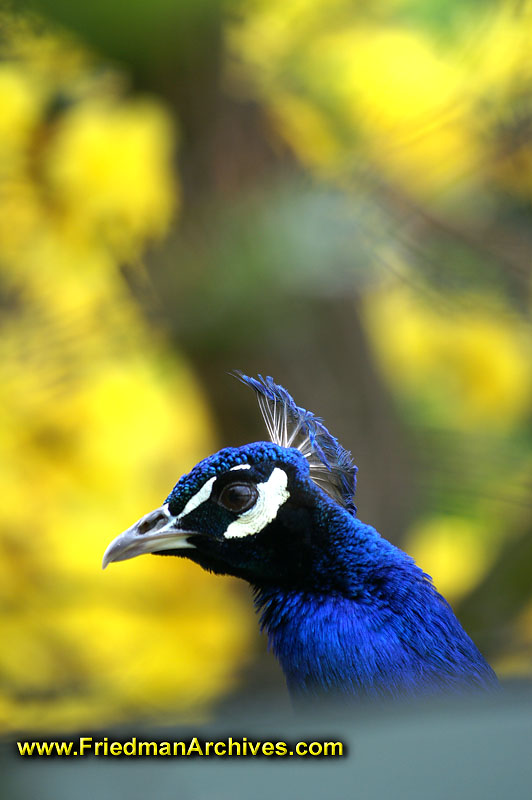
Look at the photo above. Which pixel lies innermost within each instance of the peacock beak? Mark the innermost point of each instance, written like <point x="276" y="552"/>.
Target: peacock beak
<point x="156" y="531"/>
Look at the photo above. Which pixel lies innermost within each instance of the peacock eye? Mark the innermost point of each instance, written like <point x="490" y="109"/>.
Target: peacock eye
<point x="238" y="496"/>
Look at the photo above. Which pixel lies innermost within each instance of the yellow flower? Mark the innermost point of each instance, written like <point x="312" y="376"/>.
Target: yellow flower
<point x="408" y="101"/>
<point x="455" y="552"/>
<point x="98" y="418"/>
<point x="21" y="103"/>
<point x="470" y="367"/>
<point x="108" y="171"/>
<point x="345" y="92"/>
<point x="83" y="465"/>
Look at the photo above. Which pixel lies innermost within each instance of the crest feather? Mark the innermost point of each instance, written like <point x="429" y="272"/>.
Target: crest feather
<point x="331" y="467"/>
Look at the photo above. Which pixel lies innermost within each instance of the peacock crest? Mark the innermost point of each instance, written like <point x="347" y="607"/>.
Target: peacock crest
<point x="331" y="466"/>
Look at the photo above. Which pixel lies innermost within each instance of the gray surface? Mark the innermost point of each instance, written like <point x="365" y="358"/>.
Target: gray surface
<point x="469" y="749"/>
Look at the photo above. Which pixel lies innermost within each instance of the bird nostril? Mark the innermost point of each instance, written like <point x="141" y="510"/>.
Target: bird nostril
<point x="144" y="526"/>
<point x="151" y="522"/>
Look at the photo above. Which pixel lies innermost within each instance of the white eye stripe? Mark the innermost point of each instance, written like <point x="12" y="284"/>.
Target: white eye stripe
<point x="272" y="494"/>
<point x="203" y="494"/>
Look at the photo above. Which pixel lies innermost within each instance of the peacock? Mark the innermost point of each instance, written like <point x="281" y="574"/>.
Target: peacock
<point x="346" y="612"/>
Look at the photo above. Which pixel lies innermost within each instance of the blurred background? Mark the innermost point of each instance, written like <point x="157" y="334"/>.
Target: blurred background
<point x="331" y="192"/>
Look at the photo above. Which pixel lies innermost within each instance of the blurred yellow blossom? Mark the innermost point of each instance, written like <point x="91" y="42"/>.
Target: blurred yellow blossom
<point x="454" y="551"/>
<point x="80" y="165"/>
<point x="497" y="52"/>
<point x="356" y="90"/>
<point x="96" y="429"/>
<point x="408" y="102"/>
<point x="306" y="129"/>
<point x="107" y="170"/>
<point x="97" y="419"/>
<point x="470" y="365"/>
<point x="389" y="91"/>
<point x="21" y="105"/>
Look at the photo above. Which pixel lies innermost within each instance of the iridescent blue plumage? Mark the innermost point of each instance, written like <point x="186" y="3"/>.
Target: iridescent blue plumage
<point x="346" y="612"/>
<point x="331" y="466"/>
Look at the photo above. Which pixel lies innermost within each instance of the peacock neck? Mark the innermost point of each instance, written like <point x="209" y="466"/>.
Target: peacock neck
<point x="357" y="646"/>
<point x="322" y="642"/>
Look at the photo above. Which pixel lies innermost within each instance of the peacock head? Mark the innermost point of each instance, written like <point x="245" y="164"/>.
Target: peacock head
<point x="262" y="511"/>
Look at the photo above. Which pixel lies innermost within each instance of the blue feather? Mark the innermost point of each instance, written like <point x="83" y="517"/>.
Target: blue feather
<point x="387" y="632"/>
<point x="331" y="466"/>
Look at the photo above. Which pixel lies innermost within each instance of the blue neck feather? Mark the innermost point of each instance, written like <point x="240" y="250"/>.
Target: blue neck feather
<point x="388" y="632"/>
